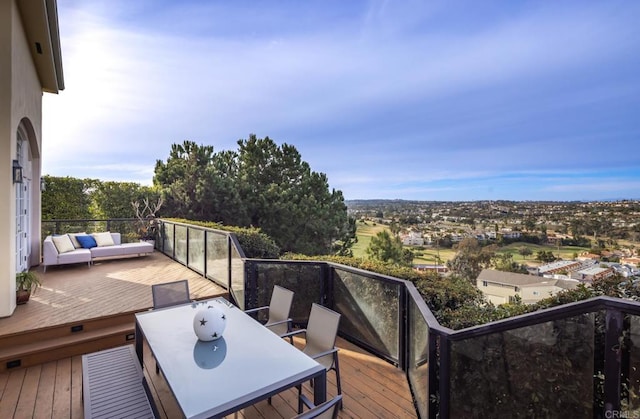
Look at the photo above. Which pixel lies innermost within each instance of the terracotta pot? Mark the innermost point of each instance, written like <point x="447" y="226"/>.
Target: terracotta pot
<point x="22" y="296"/>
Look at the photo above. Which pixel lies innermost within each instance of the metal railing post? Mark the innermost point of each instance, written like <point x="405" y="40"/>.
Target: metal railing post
<point x="433" y="382"/>
<point x="444" y="371"/>
<point x="612" y="362"/>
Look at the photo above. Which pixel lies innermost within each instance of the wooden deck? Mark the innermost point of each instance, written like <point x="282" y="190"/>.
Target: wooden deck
<point x="372" y="387"/>
<point x="72" y="293"/>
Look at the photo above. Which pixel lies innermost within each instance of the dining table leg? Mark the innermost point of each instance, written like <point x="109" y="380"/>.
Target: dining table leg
<point x="139" y="347"/>
<point x="320" y="388"/>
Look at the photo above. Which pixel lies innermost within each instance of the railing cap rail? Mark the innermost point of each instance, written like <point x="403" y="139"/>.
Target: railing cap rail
<point x="548" y="314"/>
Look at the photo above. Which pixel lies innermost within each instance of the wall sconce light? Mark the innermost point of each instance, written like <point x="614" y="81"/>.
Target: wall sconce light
<point x="43" y="185"/>
<point x="17" y="172"/>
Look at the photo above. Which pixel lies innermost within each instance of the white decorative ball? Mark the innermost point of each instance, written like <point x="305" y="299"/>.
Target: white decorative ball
<point x="209" y="323"/>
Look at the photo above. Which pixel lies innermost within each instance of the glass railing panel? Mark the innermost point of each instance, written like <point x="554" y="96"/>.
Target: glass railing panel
<point x="631" y="405"/>
<point x="370" y="310"/>
<point x="544" y="370"/>
<point x="305" y="279"/>
<point x="181" y="243"/>
<point x="168" y="239"/>
<point x="218" y="258"/>
<point x="196" y="249"/>
<point x="418" y="372"/>
<point x="237" y="278"/>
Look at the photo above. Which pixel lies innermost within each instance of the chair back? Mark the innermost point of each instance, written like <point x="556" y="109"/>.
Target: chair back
<point x="279" y="309"/>
<point x="170" y="293"/>
<point x="326" y="410"/>
<point x="322" y="330"/>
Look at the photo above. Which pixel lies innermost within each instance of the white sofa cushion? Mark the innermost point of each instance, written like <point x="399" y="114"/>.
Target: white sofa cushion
<point x="63" y="243"/>
<point x="103" y="239"/>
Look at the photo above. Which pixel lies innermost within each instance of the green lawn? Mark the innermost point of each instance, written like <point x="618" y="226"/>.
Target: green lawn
<point x="565" y="252"/>
<point x="429" y="256"/>
<point x="364" y="232"/>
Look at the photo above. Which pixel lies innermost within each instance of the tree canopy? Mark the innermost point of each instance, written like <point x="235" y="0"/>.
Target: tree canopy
<point x="471" y="258"/>
<point x="260" y="185"/>
<point x="68" y="198"/>
<point x="388" y="248"/>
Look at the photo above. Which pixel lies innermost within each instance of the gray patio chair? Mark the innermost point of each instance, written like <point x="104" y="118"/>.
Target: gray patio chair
<point x="279" y="308"/>
<point x="326" y="410"/>
<point x="320" y="336"/>
<point x="170" y="294"/>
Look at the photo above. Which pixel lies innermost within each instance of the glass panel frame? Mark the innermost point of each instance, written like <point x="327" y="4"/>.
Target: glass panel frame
<point x="542" y="370"/>
<point x="371" y="310"/>
<point x="196" y="249"/>
<point x="217" y="258"/>
<point x="181" y="243"/>
<point x="418" y="359"/>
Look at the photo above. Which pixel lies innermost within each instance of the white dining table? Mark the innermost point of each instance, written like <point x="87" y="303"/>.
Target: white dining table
<point x="247" y="364"/>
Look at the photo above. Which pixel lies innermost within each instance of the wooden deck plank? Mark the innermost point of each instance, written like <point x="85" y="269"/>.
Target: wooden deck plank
<point x="11" y="394"/>
<point x="62" y="395"/>
<point x="46" y="389"/>
<point x="77" y="408"/>
<point x="28" y="393"/>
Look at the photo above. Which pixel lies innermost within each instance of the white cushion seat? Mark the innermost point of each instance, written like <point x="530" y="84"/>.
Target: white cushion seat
<point x="139" y="247"/>
<point x="106" y="251"/>
<point x="76" y="256"/>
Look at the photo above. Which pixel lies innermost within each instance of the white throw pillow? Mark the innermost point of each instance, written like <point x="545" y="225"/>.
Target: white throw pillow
<point x="63" y="243"/>
<point x="75" y="241"/>
<point x="103" y="239"/>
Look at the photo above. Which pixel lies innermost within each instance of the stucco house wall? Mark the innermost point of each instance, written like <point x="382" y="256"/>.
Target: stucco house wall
<point x="23" y="78"/>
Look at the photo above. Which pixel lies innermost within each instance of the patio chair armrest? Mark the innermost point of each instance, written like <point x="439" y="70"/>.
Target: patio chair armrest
<point x="306" y="401"/>
<point x="325" y="353"/>
<point x="279" y="322"/>
<point x="295" y="332"/>
<point x="253" y="310"/>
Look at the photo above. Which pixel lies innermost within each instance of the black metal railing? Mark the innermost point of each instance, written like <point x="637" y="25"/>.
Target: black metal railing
<point x="582" y="358"/>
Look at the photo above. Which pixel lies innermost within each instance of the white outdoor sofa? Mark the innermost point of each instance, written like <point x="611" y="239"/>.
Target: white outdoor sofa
<point x="77" y="254"/>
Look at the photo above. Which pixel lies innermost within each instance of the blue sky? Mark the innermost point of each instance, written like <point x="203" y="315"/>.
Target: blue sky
<point x="427" y="100"/>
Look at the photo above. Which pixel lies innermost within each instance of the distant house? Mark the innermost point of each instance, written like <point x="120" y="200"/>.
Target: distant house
<point x="559" y="266"/>
<point x="591" y="273"/>
<point x="413" y="238"/>
<point x="510" y="234"/>
<point x="635" y="261"/>
<point x="431" y="268"/>
<point x="501" y="287"/>
<point x="588" y="256"/>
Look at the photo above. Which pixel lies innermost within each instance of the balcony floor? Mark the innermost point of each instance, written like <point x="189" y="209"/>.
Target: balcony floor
<point x="71" y="293"/>
<point x="372" y="387"/>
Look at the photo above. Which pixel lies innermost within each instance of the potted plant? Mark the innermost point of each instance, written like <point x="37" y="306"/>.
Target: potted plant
<point x="26" y="283"/>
